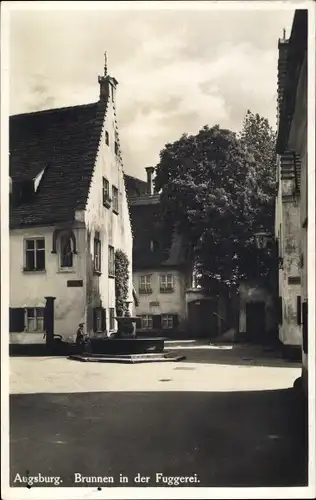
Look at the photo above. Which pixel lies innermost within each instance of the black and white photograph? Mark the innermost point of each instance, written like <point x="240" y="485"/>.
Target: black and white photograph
<point x="158" y="249"/>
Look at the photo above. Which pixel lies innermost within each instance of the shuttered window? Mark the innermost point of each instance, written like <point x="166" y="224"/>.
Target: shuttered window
<point x="305" y="326"/>
<point x="147" y="322"/>
<point x="112" y="318"/>
<point x="299" y="310"/>
<point x="16" y="319"/>
<point x="280" y="311"/>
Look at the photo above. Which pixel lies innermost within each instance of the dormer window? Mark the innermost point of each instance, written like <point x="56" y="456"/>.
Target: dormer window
<point x="66" y="251"/>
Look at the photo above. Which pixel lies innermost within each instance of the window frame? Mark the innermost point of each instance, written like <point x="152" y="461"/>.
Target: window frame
<point x="115" y="199"/>
<point x="106" y="199"/>
<point x="166" y="282"/>
<point x="111" y="261"/>
<point x="34" y="250"/>
<point x="37" y="317"/>
<point x="146" y="286"/>
<point x="97" y="254"/>
<point x="111" y="319"/>
<point x="167" y="326"/>
<point x="147" y="322"/>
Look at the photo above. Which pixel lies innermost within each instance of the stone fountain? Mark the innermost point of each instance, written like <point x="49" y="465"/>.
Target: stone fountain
<point x="125" y="347"/>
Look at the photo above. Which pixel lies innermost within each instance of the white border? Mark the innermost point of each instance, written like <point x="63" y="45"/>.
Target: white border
<point x="77" y="493"/>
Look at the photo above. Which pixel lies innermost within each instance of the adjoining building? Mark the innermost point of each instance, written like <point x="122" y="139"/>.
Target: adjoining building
<point x="291" y="203"/>
<point x="68" y="216"/>
<point x="161" y="275"/>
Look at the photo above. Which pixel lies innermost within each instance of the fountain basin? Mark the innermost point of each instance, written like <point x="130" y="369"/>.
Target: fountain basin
<point x="127" y="345"/>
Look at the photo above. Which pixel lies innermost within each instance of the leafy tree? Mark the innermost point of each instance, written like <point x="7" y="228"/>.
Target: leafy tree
<point x="217" y="189"/>
<point x="121" y="282"/>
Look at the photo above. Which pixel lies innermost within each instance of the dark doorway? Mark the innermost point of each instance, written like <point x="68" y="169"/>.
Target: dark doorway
<point x="202" y="316"/>
<point x="256" y="320"/>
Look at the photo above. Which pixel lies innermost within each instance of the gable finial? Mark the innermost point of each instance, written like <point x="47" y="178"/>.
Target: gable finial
<point x="105" y="64"/>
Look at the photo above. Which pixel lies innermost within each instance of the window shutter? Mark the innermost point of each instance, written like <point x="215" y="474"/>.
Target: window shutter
<point x="17" y="320"/>
<point x="175" y="321"/>
<point x="138" y="323"/>
<point x="305" y="326"/>
<point x="157" y="321"/>
<point x="103" y="320"/>
<point x="280" y="311"/>
<point x="299" y="311"/>
<point x="94" y="319"/>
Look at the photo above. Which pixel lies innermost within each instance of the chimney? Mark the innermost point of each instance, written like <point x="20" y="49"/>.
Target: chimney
<point x="107" y="84"/>
<point x="150" y="187"/>
<point x="282" y="66"/>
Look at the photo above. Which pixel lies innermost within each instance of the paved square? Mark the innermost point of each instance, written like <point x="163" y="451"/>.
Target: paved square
<point x="229" y="416"/>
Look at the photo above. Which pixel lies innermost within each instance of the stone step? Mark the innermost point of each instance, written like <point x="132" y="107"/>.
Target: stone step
<point x="126" y="358"/>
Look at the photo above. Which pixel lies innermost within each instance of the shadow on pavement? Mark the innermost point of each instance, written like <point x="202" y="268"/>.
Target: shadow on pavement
<point x="255" y="438"/>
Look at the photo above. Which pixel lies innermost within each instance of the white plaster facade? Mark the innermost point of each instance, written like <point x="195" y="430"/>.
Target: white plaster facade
<point x="75" y="304"/>
<point x="162" y="303"/>
<point x="287" y="223"/>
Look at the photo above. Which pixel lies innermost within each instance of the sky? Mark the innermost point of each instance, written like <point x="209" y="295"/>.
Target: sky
<point x="177" y="70"/>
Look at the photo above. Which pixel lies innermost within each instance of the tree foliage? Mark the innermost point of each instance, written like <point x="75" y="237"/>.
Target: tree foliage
<point x="121" y="282"/>
<point x="217" y="189"/>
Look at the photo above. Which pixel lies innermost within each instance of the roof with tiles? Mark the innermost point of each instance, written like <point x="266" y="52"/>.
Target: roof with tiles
<point x="149" y="250"/>
<point x="64" y="143"/>
<point x="295" y="53"/>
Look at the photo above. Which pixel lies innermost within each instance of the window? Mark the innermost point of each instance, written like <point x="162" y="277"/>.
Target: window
<point x="99" y="319"/>
<point x="66" y="253"/>
<point x="35" y="254"/>
<point x="115" y="199"/>
<point x="112" y="319"/>
<point x="111" y="261"/>
<point x="167" y="321"/>
<point x="116" y="148"/>
<point x="107" y="139"/>
<point x="106" y="193"/>
<point x="97" y="253"/>
<point x="34" y="319"/>
<point x="145" y="283"/>
<point x="166" y="283"/>
<point x="147" y="322"/>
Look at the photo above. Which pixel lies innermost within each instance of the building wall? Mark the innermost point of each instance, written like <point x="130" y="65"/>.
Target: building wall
<point x="289" y="330"/>
<point x="29" y="288"/>
<point x="298" y="143"/>
<point x="114" y="229"/>
<point x="157" y="303"/>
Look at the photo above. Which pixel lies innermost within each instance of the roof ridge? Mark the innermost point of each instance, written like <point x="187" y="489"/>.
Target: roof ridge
<point x="96" y="135"/>
<point x="136" y="178"/>
<point x="64" y="108"/>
